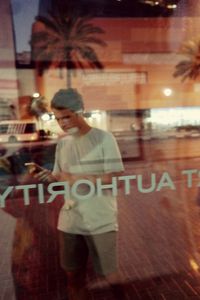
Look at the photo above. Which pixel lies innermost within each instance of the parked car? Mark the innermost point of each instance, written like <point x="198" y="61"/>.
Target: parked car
<point x="13" y="131"/>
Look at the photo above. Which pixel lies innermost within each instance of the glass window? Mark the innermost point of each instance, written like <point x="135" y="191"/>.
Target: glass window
<point x="99" y="149"/>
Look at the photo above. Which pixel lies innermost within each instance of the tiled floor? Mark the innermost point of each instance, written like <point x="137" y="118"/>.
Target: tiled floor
<point x="159" y="242"/>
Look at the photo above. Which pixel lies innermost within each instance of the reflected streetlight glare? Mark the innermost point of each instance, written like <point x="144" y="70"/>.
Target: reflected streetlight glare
<point x="194" y="265"/>
<point x="45" y="117"/>
<point x="167" y="92"/>
<point x="36" y="95"/>
<point x="96" y="115"/>
<point x="172" y="6"/>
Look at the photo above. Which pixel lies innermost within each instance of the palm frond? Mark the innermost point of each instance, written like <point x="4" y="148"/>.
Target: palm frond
<point x="93" y="40"/>
<point x="189" y="68"/>
<point x="89" y="54"/>
<point x="89" y="29"/>
<point x="49" y="22"/>
<point x="66" y="40"/>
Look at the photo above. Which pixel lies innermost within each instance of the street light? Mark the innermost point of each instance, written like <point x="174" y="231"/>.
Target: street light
<point x="167" y="92"/>
<point x="36" y="95"/>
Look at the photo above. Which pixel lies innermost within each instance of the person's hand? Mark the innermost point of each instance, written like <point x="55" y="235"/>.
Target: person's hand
<point x="44" y="175"/>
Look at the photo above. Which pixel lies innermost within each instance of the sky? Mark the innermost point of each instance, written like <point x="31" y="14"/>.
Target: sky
<point x="24" y="12"/>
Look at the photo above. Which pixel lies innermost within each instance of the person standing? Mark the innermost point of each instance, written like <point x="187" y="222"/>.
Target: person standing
<point x="87" y="225"/>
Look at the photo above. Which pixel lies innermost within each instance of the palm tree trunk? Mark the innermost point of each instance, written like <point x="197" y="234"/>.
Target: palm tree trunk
<point x="68" y="69"/>
<point x="69" y="78"/>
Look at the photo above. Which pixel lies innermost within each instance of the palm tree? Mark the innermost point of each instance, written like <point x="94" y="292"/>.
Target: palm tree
<point x="190" y="67"/>
<point x="65" y="41"/>
<point x="38" y="106"/>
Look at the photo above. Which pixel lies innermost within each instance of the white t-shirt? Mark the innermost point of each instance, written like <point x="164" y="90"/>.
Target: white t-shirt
<point x="94" y="153"/>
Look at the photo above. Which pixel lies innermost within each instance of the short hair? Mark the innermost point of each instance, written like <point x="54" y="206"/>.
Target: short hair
<point x="67" y="99"/>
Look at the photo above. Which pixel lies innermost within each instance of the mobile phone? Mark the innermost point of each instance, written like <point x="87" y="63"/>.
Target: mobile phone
<point x="33" y="167"/>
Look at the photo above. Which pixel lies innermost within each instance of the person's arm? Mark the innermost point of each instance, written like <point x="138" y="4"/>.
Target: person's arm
<point x="46" y="175"/>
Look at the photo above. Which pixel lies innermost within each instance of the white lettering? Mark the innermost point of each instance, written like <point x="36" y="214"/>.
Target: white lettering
<point x="149" y="189"/>
<point x="4" y="195"/>
<point x="189" y="174"/>
<point x="41" y="193"/>
<point x="85" y="196"/>
<point x="26" y="189"/>
<point x="165" y="181"/>
<point x="54" y="193"/>
<point x="84" y="188"/>
<point x="112" y="186"/>
<point x="127" y="182"/>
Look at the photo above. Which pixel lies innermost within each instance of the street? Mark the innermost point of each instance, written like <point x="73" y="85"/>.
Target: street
<point x="159" y="230"/>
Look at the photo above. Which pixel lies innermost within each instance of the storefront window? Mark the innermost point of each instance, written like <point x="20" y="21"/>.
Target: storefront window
<point x="99" y="149"/>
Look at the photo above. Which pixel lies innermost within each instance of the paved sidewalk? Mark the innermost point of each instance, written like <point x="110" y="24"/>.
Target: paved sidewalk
<point x="159" y="242"/>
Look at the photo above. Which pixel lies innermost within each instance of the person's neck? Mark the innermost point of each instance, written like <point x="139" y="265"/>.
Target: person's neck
<point x="84" y="129"/>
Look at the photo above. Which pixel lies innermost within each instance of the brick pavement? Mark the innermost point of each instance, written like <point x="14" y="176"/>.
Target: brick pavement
<point x="159" y="243"/>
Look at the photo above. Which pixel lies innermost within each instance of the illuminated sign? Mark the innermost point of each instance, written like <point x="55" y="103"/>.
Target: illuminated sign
<point x="110" y="78"/>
